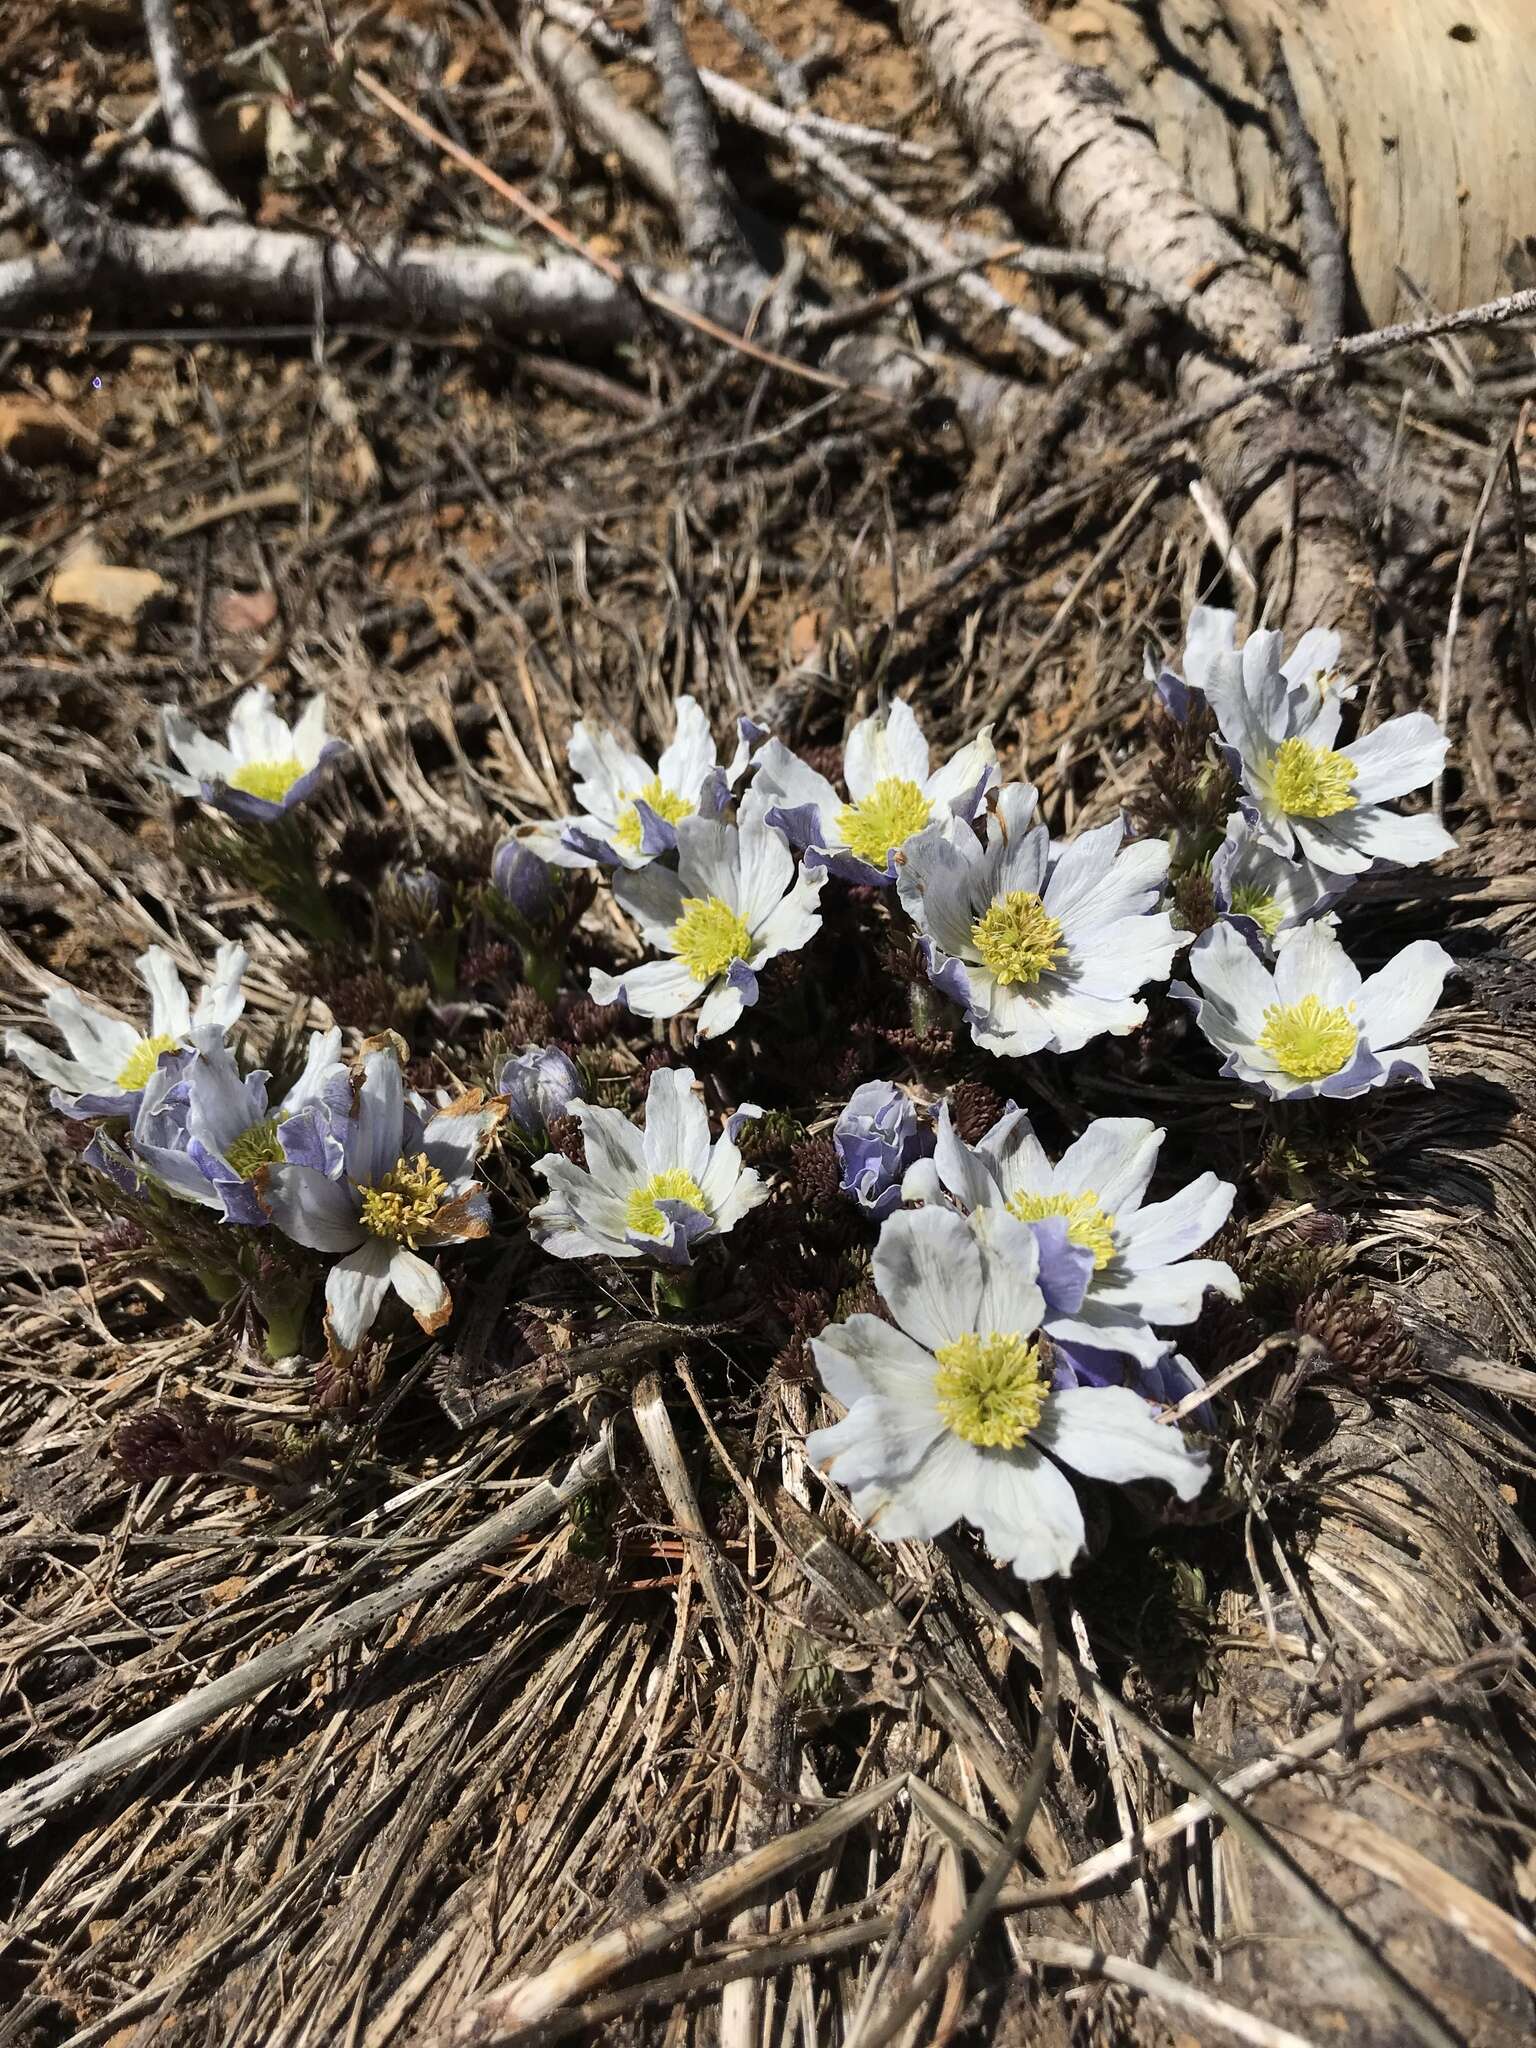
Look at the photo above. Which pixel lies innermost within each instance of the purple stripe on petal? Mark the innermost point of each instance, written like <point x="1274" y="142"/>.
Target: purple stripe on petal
<point x="801" y="824"/>
<point x="1065" y="1268"/>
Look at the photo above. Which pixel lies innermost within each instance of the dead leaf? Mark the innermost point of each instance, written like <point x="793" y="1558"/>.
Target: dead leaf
<point x="244" y="611"/>
<point x="805" y="635"/>
<point x="84" y="582"/>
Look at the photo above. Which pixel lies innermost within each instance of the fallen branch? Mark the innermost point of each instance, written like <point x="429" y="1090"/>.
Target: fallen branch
<point x="1081" y="163"/>
<point x="711" y="233"/>
<point x="24" y="1807"/>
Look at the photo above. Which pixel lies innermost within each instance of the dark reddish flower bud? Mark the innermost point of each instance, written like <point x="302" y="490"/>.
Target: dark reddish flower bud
<point x="566" y="1139"/>
<point x="177" y="1439"/>
<point x="973" y="1109"/>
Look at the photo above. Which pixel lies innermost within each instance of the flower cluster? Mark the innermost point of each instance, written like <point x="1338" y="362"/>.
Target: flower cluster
<point x="1032" y="1305"/>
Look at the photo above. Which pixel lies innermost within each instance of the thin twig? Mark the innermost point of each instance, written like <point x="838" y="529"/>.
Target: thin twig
<point x="187" y="162"/>
<point x="1160" y="1989"/>
<point x="788" y="75"/>
<point x="1453" y="623"/>
<point x="1322" y="244"/>
<point x="26" y="1804"/>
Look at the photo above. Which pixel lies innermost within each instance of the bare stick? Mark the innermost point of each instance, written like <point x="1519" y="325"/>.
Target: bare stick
<point x="1322" y="244"/>
<point x="788" y="76"/>
<point x="660" y="1439"/>
<point x="1159" y="1989"/>
<point x="710" y="231"/>
<point x="24" y="1807"/>
<point x="589" y="1962"/>
<point x="603" y="118"/>
<point x="188" y="161"/>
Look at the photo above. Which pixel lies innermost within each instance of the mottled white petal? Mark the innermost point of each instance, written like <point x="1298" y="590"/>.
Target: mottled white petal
<point x="1352" y="841"/>
<point x="1231" y="975"/>
<point x="794" y="921"/>
<point x="933" y="880"/>
<point x="311" y="1208"/>
<point x="1010" y="1302"/>
<point x="1166" y="1294"/>
<point x="867" y="1355"/>
<point x="888" y="745"/>
<point x="791" y="782"/>
<point x="1210" y="634"/>
<point x="604" y="772"/>
<point x="223" y="995"/>
<point x="256" y="731"/>
<point x="766" y="864"/>
<point x="720" y="1010"/>
<point x="1113" y="1161"/>
<point x="1110" y="1433"/>
<point x="1026" y="1510"/>
<point x="966" y="1173"/>
<point x="653" y="897"/>
<point x="1080" y="867"/>
<point x="928" y="1267"/>
<point x="374" y="1143"/>
<point x="877" y="1443"/>
<point x="616" y="1153"/>
<point x="103" y="1045"/>
<point x="41" y="1060"/>
<point x="964" y="775"/>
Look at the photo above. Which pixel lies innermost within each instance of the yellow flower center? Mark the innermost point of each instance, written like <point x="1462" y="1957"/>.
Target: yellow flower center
<point x="1310" y="782"/>
<point x="1018" y="938"/>
<point x="402" y="1206"/>
<point x="1267" y="912"/>
<point x="885" y="819"/>
<point x="270" y="780"/>
<point x="709" y="936"/>
<point x="1087" y="1223"/>
<point x="255" y="1147"/>
<point x="142" y="1061"/>
<point x="642" y="1214"/>
<point x="630" y="831"/>
<point x="991" y="1389"/>
<point x="1306" y="1040"/>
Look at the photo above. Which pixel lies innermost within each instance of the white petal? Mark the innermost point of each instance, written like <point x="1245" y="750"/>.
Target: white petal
<point x="720" y="1010"/>
<point x="1113" y="1161"/>
<point x="781" y="774"/>
<point x="311" y="1209"/>
<point x="1109" y="1433"/>
<point x="793" y="922"/>
<point x="1232" y="976"/>
<point x="103" y="1045"/>
<point x="878" y="1442"/>
<point x="1120" y="958"/>
<point x="1398" y="999"/>
<point x="1011" y="1303"/>
<point x="964" y="777"/>
<point x="676" y="1125"/>
<point x="1080" y="867"/>
<point x="1209" y="634"/>
<point x="223" y="997"/>
<point x="686" y="762"/>
<point x="170" y="1014"/>
<point x="867" y="1355"/>
<point x="1351" y="841"/>
<point x="767" y="865"/>
<point x="256" y="732"/>
<point x="1165" y="1294"/>
<point x="658" y="988"/>
<point x="1402" y="754"/>
<point x="653" y="897"/>
<point x="885" y="746"/>
<point x="709" y="859"/>
<point x="616" y="1152"/>
<point x="934" y="880"/>
<point x="967" y="1174"/>
<point x="421" y="1287"/>
<point x="921" y="1504"/>
<point x="205" y="759"/>
<point x="355" y="1289"/>
<point x="1025" y="1509"/>
<point x="309" y="732"/>
<point x="374" y="1143"/>
<point x="605" y="773"/>
<point x="928" y="1267"/>
<point x="1312" y="962"/>
<point x="1165" y="1231"/>
<point x="41" y="1060"/>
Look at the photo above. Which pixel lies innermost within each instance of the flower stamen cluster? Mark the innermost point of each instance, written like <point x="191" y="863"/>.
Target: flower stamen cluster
<point x="403" y="1205"/>
<point x="1087" y="1224"/>
<point x="1018" y="939"/>
<point x="990" y="1389"/>
<point x="1308" y="1040"/>
<point x="1312" y="782"/>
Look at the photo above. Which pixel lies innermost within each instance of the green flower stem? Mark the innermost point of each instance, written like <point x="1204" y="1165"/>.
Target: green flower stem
<point x="219" y="1283"/>
<point x="674" y="1287"/>
<point x="440" y="950"/>
<point x="283" y="1311"/>
<point x="541" y="970"/>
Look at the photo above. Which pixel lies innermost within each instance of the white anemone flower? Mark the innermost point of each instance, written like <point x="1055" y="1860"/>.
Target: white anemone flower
<point x="110" y="1061"/>
<point x="893" y="793"/>
<point x="1042" y="946"/>
<point x="263" y="768"/>
<point x="733" y="904"/>
<point x="951" y="1414"/>
<point x="650" y="1194"/>
<point x="406" y="1181"/>
<point x="1311" y="670"/>
<point x="630" y="808"/>
<point x="1313" y="1026"/>
<point x="1262" y="893"/>
<point x="1112" y="1264"/>
<point x="1304" y="795"/>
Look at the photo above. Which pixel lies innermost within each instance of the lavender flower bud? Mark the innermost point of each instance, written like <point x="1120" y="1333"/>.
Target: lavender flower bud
<point x="426" y="892"/>
<point x="878" y="1136"/>
<point x="539" y="1083"/>
<point x="523" y="880"/>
